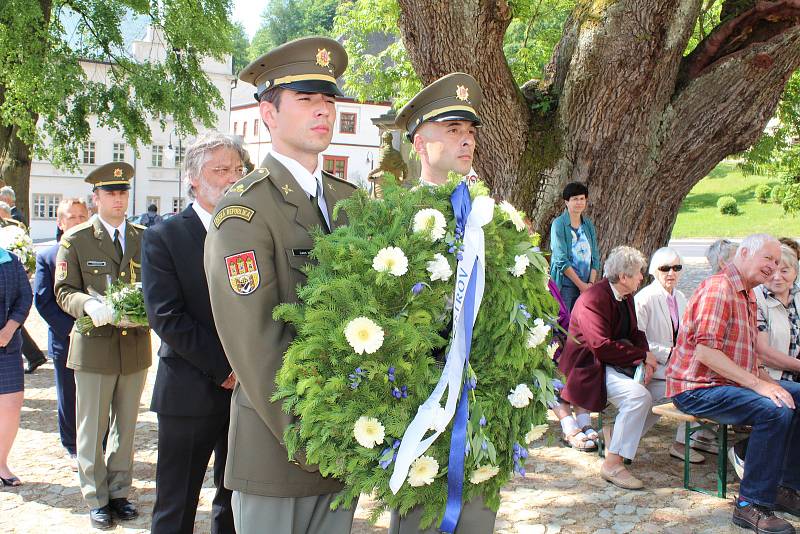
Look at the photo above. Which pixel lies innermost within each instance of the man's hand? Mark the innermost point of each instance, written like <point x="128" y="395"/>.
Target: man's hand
<point x="100" y="313"/>
<point x="229" y="382"/>
<point x="775" y="392"/>
<point x="650" y="366"/>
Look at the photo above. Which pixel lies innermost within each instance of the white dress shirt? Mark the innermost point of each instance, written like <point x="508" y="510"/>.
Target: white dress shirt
<point x="110" y="229"/>
<point x="205" y="217"/>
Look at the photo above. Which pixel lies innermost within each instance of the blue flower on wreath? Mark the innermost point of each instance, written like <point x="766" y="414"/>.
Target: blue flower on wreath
<point x="356" y="377"/>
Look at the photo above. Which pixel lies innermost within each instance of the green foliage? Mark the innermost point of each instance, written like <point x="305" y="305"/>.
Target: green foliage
<point x="286" y="20"/>
<point x="329" y="387"/>
<point x="41" y="77"/>
<point x="762" y="193"/>
<point x="728" y="206"/>
<point x="778" y="193"/>
<point x="241" y="45"/>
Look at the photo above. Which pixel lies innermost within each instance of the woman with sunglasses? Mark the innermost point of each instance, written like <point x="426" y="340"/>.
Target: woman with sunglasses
<point x="659" y="308"/>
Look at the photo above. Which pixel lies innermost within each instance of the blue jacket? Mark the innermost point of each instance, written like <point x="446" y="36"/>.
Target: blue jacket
<point x="561" y="246"/>
<point x="15" y="300"/>
<point x="59" y="322"/>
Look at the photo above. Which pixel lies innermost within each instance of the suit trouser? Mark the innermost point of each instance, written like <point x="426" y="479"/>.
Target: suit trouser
<point x="475" y="518"/>
<point x="185" y="445"/>
<point x="102" y="399"/>
<point x="65" y="394"/>
<point x="634" y="403"/>
<point x="256" y="514"/>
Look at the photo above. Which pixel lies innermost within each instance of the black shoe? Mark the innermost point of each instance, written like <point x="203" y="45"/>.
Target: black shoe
<point x="30" y="367"/>
<point x="123" y="509"/>
<point x="101" y="518"/>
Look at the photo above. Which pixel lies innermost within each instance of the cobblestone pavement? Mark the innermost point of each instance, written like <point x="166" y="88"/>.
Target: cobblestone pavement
<point x="562" y="491"/>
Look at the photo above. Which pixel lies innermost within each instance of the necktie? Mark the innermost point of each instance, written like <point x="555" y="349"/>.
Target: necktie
<point x="672" y="304"/>
<point x="321" y="207"/>
<point x="118" y="243"/>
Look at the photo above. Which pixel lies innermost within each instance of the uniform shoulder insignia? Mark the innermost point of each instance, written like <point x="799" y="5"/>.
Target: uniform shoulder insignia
<point x="77" y="228"/>
<point x="242" y="186"/>
<point x="233" y="212"/>
<point x="139" y="226"/>
<point x="339" y="180"/>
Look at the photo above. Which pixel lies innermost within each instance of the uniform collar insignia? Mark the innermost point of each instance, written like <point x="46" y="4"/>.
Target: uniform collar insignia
<point x="286" y="189"/>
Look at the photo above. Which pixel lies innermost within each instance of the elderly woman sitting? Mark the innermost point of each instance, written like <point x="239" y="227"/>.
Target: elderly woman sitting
<point x="601" y="357"/>
<point x="659" y="308"/>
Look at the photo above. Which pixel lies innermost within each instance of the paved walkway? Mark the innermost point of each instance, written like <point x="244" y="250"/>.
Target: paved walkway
<point x="562" y="491"/>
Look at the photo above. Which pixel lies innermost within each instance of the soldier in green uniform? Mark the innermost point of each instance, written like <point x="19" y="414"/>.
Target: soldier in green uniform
<point x="110" y="363"/>
<point x="255" y="251"/>
<point x="441" y="121"/>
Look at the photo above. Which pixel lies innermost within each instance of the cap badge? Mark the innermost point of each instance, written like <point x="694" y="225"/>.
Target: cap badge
<point x="462" y="93"/>
<point x="118" y="173"/>
<point x="323" y="57"/>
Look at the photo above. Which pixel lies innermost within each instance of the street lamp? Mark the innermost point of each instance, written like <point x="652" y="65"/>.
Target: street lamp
<point x="175" y="156"/>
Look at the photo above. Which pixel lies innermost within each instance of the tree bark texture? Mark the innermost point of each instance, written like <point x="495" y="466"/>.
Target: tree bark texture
<point x="634" y="118"/>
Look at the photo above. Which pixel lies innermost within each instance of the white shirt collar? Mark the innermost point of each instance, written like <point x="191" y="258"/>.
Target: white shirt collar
<point x="615" y="292"/>
<point x="110" y="229"/>
<point x="308" y="181"/>
<point x="203" y="215"/>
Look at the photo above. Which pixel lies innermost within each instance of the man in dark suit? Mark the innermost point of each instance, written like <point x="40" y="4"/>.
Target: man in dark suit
<point x="70" y="212"/>
<point x="192" y="393"/>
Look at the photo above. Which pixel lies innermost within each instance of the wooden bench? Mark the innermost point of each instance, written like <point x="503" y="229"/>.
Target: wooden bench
<point x="671" y="412"/>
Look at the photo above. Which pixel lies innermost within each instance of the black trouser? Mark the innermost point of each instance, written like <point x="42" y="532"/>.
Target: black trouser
<point x="184" y="449"/>
<point x="30" y="351"/>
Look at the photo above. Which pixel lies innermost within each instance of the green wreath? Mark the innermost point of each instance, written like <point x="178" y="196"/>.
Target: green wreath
<point x="391" y="305"/>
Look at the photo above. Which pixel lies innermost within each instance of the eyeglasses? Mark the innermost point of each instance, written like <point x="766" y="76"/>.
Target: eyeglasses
<point x="225" y="171"/>
<point x="666" y="268"/>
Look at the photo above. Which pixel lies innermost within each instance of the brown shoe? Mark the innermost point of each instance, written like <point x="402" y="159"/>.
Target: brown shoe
<point x="621" y="477"/>
<point x="788" y="500"/>
<point x="760" y="520"/>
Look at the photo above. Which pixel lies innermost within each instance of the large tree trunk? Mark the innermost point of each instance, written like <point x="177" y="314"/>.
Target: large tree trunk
<point x="635" y="119"/>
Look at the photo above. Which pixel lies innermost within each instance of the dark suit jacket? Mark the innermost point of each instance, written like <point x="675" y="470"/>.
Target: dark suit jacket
<point x="17" y="215"/>
<point x="44" y="297"/>
<point x="192" y="363"/>
<point x="595" y="323"/>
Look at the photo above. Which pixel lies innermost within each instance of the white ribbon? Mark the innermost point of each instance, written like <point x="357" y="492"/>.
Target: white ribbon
<point x="412" y="446"/>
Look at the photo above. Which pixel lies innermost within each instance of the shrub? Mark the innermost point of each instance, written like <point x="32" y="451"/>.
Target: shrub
<point x="777" y="193"/>
<point x="763" y="192"/>
<point x="727" y="205"/>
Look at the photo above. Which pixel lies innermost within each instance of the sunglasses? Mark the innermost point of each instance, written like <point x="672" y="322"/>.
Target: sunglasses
<point x="666" y="268"/>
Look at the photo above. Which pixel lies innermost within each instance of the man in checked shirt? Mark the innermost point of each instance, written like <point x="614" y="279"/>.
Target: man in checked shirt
<point x="714" y="372"/>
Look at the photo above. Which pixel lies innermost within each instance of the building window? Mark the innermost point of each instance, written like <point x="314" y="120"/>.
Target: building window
<point x="179" y="155"/>
<point x="44" y="206"/>
<point x="336" y="165"/>
<point x="118" y="154"/>
<point x="255" y="127"/>
<point x="347" y="123"/>
<point x="177" y="204"/>
<point x="157" y="156"/>
<point x="235" y="127"/>
<point x="156" y="201"/>
<point x="244" y="128"/>
<point x="88" y="153"/>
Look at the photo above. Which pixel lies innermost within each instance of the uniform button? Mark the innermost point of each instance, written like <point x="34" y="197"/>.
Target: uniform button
<point x="122" y="273"/>
<point x="95" y="271"/>
<point x="124" y="332"/>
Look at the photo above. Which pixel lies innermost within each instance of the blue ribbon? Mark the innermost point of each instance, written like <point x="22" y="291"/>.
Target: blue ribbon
<point x="462" y="205"/>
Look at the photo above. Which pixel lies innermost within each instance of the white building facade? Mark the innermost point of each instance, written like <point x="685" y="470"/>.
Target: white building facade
<point x="157" y="178"/>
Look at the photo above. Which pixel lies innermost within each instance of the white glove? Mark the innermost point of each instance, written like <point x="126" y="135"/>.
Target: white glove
<point x="100" y="313"/>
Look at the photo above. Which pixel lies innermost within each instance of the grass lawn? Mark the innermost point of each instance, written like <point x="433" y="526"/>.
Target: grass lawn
<point x="699" y="216"/>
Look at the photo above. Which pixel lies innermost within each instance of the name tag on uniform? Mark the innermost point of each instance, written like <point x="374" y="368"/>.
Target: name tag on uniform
<point x="301" y="252"/>
<point x="95" y="263"/>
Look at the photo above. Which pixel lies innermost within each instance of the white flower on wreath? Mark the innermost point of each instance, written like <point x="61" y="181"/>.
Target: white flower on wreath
<point x="536" y="432"/>
<point x="521" y="263"/>
<point x="439" y="419"/>
<point x="364" y="335"/>
<point x="513" y="215"/>
<point x="390" y="260"/>
<point x="431" y="221"/>
<point x="537" y="334"/>
<point x="439" y="268"/>
<point x="423" y="470"/>
<point x="520" y="396"/>
<point x="483" y="473"/>
<point x="551" y="350"/>
<point x="368" y="432"/>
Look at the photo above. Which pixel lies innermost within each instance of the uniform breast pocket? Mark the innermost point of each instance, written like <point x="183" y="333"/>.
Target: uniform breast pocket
<point x="97" y="275"/>
<point x="298" y="259"/>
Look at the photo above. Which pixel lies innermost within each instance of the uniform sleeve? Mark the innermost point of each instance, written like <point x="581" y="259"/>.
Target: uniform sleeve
<point x="169" y="316"/>
<point x="69" y="290"/>
<point x="252" y="340"/>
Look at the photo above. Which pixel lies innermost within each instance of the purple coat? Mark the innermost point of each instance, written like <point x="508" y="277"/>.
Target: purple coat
<point x="595" y="323"/>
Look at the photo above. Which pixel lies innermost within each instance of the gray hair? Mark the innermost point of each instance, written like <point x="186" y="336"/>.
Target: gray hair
<point x="661" y="257"/>
<point x="755" y="242"/>
<point x="198" y="151"/>
<point x="623" y="260"/>
<point x="8" y="191"/>
<point x="720" y="251"/>
<point x="789" y="258"/>
<point x="5" y="207"/>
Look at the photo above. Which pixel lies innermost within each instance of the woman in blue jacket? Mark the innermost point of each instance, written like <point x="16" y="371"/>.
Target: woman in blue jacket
<point x="15" y="303"/>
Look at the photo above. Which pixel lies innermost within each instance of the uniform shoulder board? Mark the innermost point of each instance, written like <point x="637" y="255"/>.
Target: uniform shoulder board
<point x="77" y="228"/>
<point x="139" y="226"/>
<point x="242" y="186"/>
<point x="334" y="177"/>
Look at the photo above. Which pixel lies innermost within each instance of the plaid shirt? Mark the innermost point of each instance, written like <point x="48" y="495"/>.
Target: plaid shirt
<point x="794" y="326"/>
<point x="720" y="315"/>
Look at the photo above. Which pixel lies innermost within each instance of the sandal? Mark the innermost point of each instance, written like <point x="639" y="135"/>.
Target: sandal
<point x="11" y="482"/>
<point x="590" y="432"/>
<point x="579" y="442"/>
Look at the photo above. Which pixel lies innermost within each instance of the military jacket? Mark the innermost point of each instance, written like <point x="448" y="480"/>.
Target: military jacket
<point x="86" y="264"/>
<point x="255" y="250"/>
